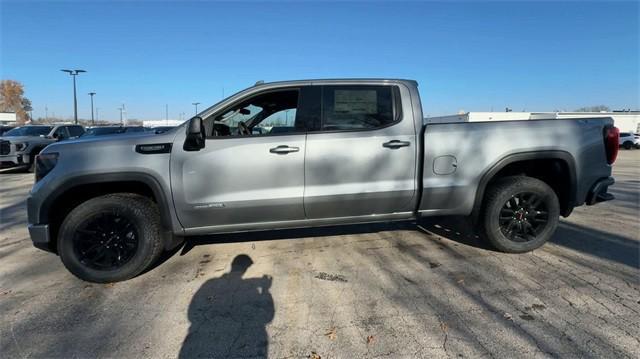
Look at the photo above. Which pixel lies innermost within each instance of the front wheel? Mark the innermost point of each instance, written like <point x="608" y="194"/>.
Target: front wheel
<point x="110" y="238"/>
<point x="520" y="214"/>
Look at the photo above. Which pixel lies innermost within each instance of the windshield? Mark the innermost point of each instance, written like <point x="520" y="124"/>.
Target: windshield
<point x="29" y="131"/>
<point x="99" y="131"/>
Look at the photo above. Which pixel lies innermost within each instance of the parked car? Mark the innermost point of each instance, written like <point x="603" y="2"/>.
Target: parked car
<point x="19" y="146"/>
<point x="130" y="129"/>
<point x="355" y="151"/>
<point x="102" y="131"/>
<point x="4" y="129"/>
<point x="111" y="130"/>
<point x="629" y="140"/>
<point x="160" y="129"/>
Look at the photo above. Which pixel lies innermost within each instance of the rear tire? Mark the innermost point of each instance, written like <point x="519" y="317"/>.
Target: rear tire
<point x="519" y="214"/>
<point x="111" y="238"/>
<point x="627" y="145"/>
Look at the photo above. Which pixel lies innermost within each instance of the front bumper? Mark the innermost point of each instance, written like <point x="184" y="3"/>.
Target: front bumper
<point x="40" y="236"/>
<point x="598" y="192"/>
<point x="15" y="159"/>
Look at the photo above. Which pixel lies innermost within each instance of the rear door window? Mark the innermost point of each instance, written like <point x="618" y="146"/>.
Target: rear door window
<point x="358" y="107"/>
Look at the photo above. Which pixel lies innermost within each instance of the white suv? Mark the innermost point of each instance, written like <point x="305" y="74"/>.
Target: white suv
<point x="629" y="140"/>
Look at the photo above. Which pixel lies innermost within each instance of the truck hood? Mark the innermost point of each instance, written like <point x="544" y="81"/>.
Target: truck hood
<point x="107" y="141"/>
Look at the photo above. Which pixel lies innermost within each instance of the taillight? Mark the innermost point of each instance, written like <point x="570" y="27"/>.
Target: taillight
<point x="611" y="143"/>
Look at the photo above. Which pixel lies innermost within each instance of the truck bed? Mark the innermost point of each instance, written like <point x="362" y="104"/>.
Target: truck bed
<point x="459" y="156"/>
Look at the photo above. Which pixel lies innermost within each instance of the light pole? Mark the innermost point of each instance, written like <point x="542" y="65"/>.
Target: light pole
<point x="196" y="105"/>
<point x="121" y="109"/>
<point x="73" y="74"/>
<point x="93" y="122"/>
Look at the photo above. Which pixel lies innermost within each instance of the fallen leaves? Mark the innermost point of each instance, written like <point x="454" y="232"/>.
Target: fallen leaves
<point x="314" y="355"/>
<point x="370" y="339"/>
<point x="444" y="327"/>
<point x="331" y="277"/>
<point x="331" y="334"/>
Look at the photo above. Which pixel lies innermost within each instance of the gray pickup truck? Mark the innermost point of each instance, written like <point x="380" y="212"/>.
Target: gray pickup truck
<point x="19" y="146"/>
<point x="310" y="153"/>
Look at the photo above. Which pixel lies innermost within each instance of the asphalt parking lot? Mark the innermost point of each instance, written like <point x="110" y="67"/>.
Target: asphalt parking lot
<point x="384" y="290"/>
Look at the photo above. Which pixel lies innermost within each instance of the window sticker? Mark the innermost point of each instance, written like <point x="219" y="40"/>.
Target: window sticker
<point x="356" y="102"/>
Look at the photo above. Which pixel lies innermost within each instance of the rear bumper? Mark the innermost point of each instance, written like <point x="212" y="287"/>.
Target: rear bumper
<point x="598" y="192"/>
<point x="39" y="234"/>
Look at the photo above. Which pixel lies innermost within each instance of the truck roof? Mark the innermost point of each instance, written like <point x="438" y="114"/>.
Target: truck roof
<point x="335" y="81"/>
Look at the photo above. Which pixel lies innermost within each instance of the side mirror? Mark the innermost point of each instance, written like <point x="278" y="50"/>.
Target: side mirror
<point x="195" y="139"/>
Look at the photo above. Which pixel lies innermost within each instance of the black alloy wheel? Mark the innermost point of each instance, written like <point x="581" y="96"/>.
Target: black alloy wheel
<point x="519" y="214"/>
<point x="523" y="217"/>
<point x="106" y="241"/>
<point x="111" y="238"/>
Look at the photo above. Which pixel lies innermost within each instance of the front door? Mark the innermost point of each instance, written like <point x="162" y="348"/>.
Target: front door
<point x="251" y="170"/>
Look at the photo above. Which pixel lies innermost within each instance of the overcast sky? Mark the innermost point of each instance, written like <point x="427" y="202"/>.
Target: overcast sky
<point x="478" y="56"/>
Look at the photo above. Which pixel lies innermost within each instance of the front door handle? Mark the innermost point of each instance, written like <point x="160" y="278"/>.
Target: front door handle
<point x="396" y="144"/>
<point x="284" y="149"/>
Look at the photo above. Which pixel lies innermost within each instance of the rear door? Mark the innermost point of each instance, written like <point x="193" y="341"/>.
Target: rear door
<point x="362" y="159"/>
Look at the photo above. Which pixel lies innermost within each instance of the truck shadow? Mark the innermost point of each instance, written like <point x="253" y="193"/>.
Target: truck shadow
<point x="606" y="246"/>
<point x="590" y="241"/>
<point x="294" y="233"/>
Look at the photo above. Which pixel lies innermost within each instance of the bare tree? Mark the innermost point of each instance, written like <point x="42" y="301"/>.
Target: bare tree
<point x="12" y="100"/>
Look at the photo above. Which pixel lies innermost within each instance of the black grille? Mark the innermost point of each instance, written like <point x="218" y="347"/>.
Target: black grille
<point x="4" y="148"/>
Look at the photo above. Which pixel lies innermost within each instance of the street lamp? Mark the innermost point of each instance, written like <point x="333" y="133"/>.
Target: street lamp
<point x="196" y="105"/>
<point x="93" y="122"/>
<point x="73" y="74"/>
<point x="121" y="109"/>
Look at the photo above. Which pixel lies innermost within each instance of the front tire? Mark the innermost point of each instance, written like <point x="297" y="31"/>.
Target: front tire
<point x="111" y="238"/>
<point x="520" y="214"/>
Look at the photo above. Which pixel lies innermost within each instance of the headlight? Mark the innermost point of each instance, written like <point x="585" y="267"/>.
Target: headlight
<point x="21" y="146"/>
<point x="45" y="162"/>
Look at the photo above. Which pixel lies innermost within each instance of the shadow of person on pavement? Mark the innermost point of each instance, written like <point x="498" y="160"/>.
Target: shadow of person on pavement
<point x="229" y="315"/>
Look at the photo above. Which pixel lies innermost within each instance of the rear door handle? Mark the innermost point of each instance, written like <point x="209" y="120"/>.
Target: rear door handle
<point x="396" y="144"/>
<point x="284" y="149"/>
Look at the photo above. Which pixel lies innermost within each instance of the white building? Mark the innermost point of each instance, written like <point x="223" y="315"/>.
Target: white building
<point x="154" y="123"/>
<point x="8" y="118"/>
<point x="625" y="121"/>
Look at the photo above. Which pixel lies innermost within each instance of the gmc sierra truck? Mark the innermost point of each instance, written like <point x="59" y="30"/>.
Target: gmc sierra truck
<point x="310" y="153"/>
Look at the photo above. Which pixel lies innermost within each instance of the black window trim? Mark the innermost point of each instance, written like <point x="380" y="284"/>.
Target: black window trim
<point x="297" y="88"/>
<point x="396" y="105"/>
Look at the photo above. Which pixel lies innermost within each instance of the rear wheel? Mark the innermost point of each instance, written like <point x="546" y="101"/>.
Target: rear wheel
<point x="520" y="214"/>
<point x="627" y="145"/>
<point x="110" y="238"/>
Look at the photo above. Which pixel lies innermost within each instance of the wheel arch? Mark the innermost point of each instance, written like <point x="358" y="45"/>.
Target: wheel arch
<point x="78" y="189"/>
<point x="566" y="190"/>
